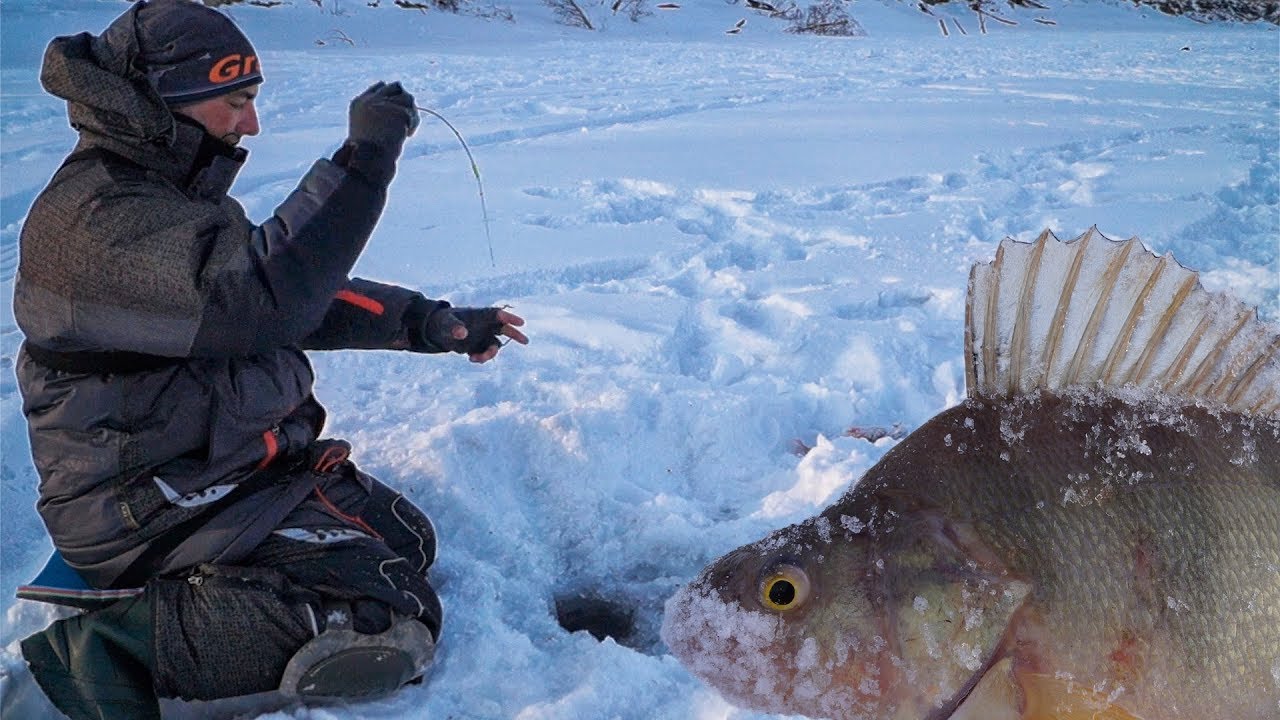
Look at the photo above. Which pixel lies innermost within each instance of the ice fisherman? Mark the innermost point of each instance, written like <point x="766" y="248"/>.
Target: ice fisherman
<point x="169" y="398"/>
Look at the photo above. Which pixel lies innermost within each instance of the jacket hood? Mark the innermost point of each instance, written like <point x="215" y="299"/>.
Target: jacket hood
<point x="114" y="105"/>
<point x="106" y="93"/>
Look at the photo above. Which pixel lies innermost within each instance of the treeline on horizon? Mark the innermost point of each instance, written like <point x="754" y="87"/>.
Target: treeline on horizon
<point x="822" y="17"/>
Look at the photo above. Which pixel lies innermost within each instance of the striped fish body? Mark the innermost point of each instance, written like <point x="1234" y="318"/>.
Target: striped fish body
<point x="1146" y="535"/>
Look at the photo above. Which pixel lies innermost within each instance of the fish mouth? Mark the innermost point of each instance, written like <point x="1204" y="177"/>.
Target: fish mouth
<point x="753" y="659"/>
<point x="730" y="648"/>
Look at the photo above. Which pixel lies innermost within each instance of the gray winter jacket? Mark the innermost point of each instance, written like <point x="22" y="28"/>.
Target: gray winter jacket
<point x="171" y="446"/>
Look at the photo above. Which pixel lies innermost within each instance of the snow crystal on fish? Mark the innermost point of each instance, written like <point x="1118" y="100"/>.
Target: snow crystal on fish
<point x="852" y="524"/>
<point x="968" y="656"/>
<point x="823" y="526"/>
<point x="807" y="658"/>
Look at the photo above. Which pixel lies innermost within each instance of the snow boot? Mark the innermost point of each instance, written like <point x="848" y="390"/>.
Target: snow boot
<point x="342" y="664"/>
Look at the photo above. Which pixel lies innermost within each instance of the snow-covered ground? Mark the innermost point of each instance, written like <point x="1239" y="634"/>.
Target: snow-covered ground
<point x="729" y="249"/>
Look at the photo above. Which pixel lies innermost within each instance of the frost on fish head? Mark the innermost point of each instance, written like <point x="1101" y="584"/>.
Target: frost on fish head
<point x="759" y="624"/>
<point x="843" y="618"/>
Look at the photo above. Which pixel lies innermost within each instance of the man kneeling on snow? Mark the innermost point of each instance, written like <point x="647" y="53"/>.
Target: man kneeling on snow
<point x="169" y="400"/>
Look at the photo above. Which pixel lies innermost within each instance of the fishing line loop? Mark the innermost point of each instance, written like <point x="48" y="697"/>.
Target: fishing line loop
<point x="475" y="170"/>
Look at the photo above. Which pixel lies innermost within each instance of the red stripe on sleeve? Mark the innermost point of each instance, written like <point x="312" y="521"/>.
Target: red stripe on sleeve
<point x="361" y="301"/>
<point x="273" y="447"/>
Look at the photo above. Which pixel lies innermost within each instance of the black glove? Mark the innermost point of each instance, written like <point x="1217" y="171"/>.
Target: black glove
<point x="434" y="333"/>
<point x="383" y="116"/>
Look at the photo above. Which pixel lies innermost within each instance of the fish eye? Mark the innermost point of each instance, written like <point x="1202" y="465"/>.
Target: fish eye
<point x="785" y="588"/>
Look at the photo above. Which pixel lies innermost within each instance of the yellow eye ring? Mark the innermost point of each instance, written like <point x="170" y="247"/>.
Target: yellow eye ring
<point x="785" y="588"/>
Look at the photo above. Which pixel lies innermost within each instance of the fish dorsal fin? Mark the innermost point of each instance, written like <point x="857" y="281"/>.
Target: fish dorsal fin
<point x="1093" y="312"/>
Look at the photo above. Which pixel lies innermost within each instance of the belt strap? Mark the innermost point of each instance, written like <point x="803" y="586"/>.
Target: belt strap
<point x="116" y="362"/>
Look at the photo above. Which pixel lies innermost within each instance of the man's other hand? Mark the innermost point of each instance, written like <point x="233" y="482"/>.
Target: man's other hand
<point x="384" y="115"/>
<point x="472" y="331"/>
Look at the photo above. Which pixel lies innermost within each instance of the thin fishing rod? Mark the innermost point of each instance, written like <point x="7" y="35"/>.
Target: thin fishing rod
<point x="475" y="170"/>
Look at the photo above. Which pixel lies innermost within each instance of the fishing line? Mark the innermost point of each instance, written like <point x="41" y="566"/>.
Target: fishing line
<point x="475" y="170"/>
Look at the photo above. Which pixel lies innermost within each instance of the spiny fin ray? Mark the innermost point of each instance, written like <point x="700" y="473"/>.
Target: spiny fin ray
<point x="1097" y="313"/>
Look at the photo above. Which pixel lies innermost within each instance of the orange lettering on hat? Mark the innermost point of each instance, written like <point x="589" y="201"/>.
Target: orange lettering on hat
<point x="231" y="67"/>
<point x="226" y="69"/>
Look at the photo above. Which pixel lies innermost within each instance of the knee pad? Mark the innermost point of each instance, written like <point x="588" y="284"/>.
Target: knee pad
<point x="342" y="664"/>
<point x="404" y="526"/>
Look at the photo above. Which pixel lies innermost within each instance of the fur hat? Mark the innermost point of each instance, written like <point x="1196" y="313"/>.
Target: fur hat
<point x="191" y="52"/>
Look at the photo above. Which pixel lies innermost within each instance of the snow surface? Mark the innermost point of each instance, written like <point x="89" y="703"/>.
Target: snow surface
<point x="728" y="248"/>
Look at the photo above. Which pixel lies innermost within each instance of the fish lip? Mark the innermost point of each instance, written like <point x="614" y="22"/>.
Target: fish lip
<point x="718" y="628"/>
<point x="736" y="651"/>
<point x="724" y="644"/>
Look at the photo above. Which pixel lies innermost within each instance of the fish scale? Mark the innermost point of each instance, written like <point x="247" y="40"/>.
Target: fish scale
<point x="1208" y="532"/>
